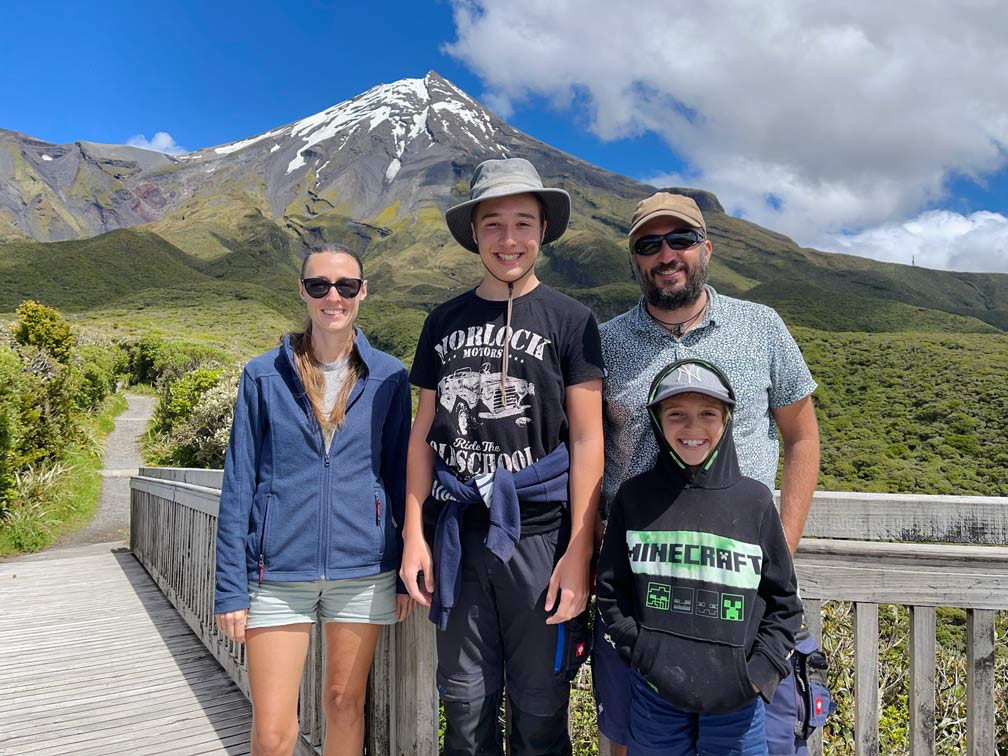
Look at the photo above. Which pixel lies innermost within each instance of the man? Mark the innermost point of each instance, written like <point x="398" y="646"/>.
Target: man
<point x="508" y="430"/>
<point x="681" y="316"/>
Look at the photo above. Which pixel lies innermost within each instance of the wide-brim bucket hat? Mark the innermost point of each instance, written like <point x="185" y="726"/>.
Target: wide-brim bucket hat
<point x="504" y="178"/>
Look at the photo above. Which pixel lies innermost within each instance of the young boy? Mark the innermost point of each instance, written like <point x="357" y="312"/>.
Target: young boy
<point x="504" y="471"/>
<point x="695" y="580"/>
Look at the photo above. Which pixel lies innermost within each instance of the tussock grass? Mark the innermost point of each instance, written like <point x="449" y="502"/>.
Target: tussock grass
<point x="50" y="500"/>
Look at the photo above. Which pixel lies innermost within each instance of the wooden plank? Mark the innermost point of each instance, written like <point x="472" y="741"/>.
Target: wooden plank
<point x="109" y="718"/>
<point x="866" y="680"/>
<point x="813" y="617"/>
<point x="311" y="710"/>
<point x="908" y="517"/>
<point x="980" y="683"/>
<point x="188" y="495"/>
<point x="416" y="711"/>
<point x="922" y="681"/>
<point x="194" y="475"/>
<point x="913" y="574"/>
<point x="379" y="714"/>
<point x="126" y="675"/>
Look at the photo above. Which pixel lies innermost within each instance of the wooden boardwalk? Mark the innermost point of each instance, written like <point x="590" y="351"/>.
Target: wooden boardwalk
<point x="95" y="660"/>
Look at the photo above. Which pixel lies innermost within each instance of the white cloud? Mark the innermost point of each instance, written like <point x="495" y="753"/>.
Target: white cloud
<point x="808" y="118"/>
<point x="934" y="239"/>
<point x="162" y="141"/>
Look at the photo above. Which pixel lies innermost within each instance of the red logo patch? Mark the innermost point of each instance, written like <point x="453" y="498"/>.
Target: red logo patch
<point x="579" y="649"/>
<point x="818" y="706"/>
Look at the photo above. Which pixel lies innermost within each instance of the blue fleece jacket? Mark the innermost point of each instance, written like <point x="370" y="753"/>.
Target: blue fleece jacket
<point x="544" y="481"/>
<point x="289" y="510"/>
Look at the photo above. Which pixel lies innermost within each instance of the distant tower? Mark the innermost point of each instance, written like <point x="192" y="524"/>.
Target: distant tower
<point x="913" y="260"/>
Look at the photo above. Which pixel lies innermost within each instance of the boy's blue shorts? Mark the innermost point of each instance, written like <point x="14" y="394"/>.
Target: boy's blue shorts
<point x="611" y="680"/>
<point x="612" y="683"/>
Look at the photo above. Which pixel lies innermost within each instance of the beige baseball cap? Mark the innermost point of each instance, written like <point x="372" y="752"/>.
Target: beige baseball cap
<point x="664" y="204"/>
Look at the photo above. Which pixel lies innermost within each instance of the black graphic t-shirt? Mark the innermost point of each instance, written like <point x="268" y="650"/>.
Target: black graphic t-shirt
<point x="553" y="343"/>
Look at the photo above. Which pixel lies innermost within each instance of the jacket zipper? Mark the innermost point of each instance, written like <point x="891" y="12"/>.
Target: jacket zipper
<point x="324" y="514"/>
<point x="262" y="542"/>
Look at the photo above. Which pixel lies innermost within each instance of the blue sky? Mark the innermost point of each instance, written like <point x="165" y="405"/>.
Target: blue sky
<point x="868" y="130"/>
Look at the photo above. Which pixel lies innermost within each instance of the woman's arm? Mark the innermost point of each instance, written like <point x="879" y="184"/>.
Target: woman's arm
<point x="231" y="598"/>
<point x="419" y="478"/>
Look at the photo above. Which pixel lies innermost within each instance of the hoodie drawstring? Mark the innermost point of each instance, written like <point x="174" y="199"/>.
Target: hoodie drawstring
<point x="507" y="342"/>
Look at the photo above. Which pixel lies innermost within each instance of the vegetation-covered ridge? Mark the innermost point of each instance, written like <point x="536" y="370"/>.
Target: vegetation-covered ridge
<point x="56" y="404"/>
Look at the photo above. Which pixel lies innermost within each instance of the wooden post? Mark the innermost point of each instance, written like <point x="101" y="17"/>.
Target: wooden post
<point x="866" y="681"/>
<point x="922" y="681"/>
<point x="980" y="682"/>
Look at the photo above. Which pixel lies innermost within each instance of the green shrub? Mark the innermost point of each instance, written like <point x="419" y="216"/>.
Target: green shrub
<point x="49" y="418"/>
<point x="98" y="370"/>
<point x="200" y="439"/>
<point x="10" y="413"/>
<point x="29" y="520"/>
<point x="154" y="361"/>
<point x="179" y="397"/>
<point x="43" y="327"/>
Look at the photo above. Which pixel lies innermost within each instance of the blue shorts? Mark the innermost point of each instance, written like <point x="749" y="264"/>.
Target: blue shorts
<point x="657" y="728"/>
<point x="370" y="600"/>
<point x="612" y="683"/>
<point x="611" y="680"/>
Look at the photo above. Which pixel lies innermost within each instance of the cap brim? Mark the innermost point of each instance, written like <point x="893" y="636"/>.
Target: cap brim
<point x="689" y="390"/>
<point x="557" y="201"/>
<point x="662" y="213"/>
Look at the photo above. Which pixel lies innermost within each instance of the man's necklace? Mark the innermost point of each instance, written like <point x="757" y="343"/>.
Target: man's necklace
<point x="678" y="329"/>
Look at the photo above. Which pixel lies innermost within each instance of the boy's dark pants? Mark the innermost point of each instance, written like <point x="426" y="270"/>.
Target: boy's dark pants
<point x="498" y="631"/>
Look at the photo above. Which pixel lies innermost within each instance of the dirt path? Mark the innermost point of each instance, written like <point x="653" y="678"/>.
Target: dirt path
<point x="122" y="458"/>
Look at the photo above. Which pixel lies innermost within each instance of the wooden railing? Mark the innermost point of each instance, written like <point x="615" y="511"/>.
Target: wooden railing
<point x="922" y="552"/>
<point x="173" y="522"/>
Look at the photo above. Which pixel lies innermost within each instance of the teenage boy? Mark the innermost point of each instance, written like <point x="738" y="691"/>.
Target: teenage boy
<point x="695" y="580"/>
<point x="504" y="470"/>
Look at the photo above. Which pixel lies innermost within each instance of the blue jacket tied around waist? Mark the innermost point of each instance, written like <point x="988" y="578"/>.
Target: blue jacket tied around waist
<point x="544" y="481"/>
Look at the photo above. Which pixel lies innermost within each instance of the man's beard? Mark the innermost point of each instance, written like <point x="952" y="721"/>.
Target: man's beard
<point x="673" y="299"/>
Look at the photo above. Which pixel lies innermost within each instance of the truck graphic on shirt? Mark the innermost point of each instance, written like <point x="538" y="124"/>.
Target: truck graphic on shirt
<point x="465" y="391"/>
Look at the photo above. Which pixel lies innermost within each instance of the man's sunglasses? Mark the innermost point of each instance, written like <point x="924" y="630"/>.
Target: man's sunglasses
<point x="317" y="288"/>
<point x="677" y="240"/>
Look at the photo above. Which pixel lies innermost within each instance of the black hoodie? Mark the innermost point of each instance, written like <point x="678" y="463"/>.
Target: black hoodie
<point x="695" y="581"/>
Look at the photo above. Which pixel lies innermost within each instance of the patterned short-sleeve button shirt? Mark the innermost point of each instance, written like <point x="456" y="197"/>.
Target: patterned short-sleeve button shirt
<point x="748" y="341"/>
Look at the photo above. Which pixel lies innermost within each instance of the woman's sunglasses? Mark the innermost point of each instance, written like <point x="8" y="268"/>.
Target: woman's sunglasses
<point x="317" y="288"/>
<point x="677" y="240"/>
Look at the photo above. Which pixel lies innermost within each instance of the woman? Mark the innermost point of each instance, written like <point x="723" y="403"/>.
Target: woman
<point x="310" y="507"/>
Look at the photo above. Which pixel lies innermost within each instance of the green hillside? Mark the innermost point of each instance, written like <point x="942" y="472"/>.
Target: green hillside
<point x="82" y="274"/>
<point x="131" y="282"/>
<point x="911" y="398"/>
<point x="924" y="413"/>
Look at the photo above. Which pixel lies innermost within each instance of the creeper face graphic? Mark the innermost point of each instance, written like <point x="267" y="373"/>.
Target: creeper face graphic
<point x="707" y="603"/>
<point x="658" y="596"/>
<point x="732" y="607"/>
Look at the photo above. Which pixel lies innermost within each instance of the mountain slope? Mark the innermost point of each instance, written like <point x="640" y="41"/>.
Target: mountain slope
<point x="376" y="172"/>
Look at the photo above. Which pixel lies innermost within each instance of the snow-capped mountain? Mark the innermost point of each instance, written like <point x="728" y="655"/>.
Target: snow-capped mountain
<point x="391" y="150"/>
